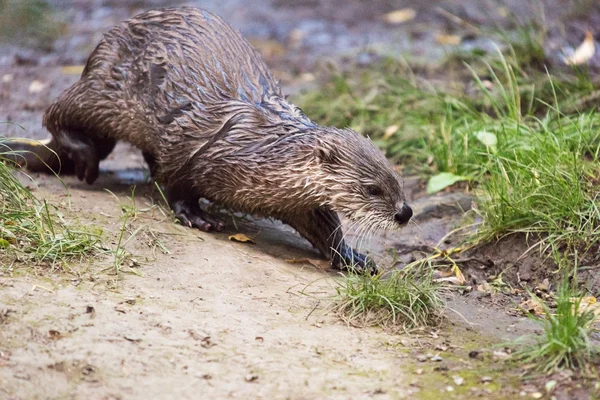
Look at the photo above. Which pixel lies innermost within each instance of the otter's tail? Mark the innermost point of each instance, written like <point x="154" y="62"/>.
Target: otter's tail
<point x="36" y="156"/>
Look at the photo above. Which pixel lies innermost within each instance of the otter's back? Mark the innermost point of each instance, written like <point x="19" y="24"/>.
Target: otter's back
<point x="183" y="51"/>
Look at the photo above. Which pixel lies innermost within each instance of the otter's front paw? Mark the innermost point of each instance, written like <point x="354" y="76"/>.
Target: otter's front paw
<point x="190" y="214"/>
<point x="350" y="260"/>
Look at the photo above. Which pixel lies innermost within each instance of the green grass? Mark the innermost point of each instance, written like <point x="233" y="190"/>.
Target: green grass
<point x="565" y="341"/>
<point x="32" y="230"/>
<point x="404" y="299"/>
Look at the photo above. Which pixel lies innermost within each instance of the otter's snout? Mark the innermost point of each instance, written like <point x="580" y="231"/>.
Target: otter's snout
<point x="403" y="216"/>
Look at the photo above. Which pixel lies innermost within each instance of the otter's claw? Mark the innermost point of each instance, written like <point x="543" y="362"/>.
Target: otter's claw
<point x="192" y="215"/>
<point x="354" y="261"/>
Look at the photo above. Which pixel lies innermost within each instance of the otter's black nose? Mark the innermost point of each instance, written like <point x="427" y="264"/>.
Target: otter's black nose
<point x="403" y="216"/>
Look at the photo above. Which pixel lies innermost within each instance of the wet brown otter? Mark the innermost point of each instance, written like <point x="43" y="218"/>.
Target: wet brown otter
<point x="199" y="101"/>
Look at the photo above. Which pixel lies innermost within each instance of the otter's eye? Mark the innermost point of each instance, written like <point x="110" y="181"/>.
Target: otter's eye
<point x="373" y="191"/>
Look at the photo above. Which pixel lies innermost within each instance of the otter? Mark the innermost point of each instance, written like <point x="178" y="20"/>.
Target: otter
<point x="199" y="101"/>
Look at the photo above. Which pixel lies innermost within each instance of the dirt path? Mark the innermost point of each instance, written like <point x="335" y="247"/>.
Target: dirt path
<point x="214" y="318"/>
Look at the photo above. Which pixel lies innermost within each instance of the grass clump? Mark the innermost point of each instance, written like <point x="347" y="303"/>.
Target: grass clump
<point x="32" y="229"/>
<point x="565" y="341"/>
<point x="405" y="299"/>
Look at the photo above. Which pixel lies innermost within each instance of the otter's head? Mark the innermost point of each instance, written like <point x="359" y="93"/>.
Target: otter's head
<point x="360" y="181"/>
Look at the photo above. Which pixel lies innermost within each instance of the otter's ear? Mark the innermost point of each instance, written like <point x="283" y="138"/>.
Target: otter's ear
<point x="327" y="155"/>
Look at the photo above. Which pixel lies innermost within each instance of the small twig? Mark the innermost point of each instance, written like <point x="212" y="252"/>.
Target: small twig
<point x="313" y="310"/>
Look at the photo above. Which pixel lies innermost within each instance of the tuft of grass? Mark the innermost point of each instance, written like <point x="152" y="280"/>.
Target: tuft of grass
<point x="34" y="230"/>
<point x="405" y="299"/>
<point x="565" y="342"/>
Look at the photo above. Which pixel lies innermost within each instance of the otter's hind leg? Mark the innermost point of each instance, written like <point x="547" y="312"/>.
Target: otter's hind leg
<point x="75" y="121"/>
<point x="322" y="228"/>
<point x="85" y="150"/>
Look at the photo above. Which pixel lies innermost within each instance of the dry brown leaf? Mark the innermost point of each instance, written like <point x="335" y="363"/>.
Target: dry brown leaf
<point x="532" y="306"/>
<point x="400" y="16"/>
<point x="584" y="52"/>
<point x="240" y="237"/>
<point x="452" y="40"/>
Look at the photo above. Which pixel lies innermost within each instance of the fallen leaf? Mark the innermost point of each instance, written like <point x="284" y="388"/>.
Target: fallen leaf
<point x="488" y="139"/>
<point x="452" y="40"/>
<point x="72" y="69"/>
<point x="544" y="286"/>
<point x="4" y="244"/>
<point x="400" y="16"/>
<point x="443" y="180"/>
<point x="532" y="306"/>
<point x="389" y="131"/>
<point x="36" y="86"/>
<point x="240" y="237"/>
<point x="584" y="52"/>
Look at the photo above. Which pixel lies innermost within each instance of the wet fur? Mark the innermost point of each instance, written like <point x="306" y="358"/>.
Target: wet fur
<point x="199" y="101"/>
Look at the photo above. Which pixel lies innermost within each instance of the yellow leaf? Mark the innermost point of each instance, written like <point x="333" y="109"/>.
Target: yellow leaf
<point x="389" y="131"/>
<point x="448" y="39"/>
<point x="584" y="52"/>
<point x="589" y="303"/>
<point x="400" y="16"/>
<point x="240" y="237"/>
<point x="72" y="69"/>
